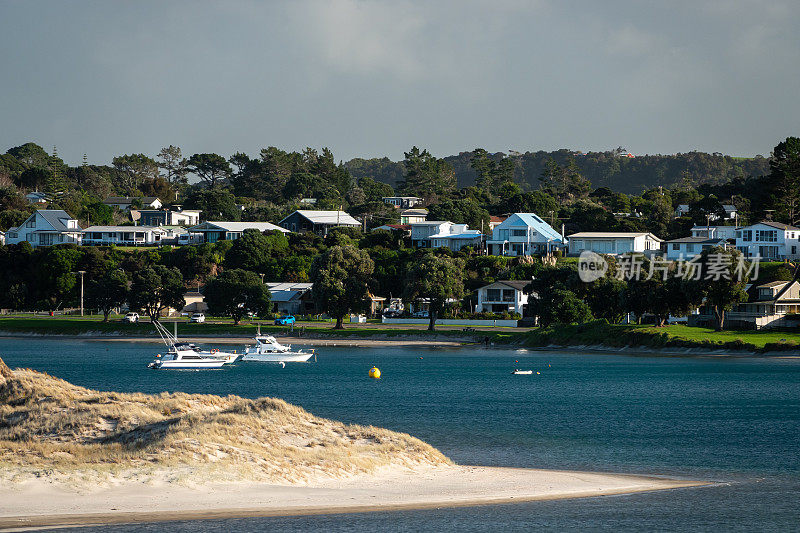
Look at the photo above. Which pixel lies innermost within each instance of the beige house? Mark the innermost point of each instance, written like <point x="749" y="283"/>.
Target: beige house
<point x="771" y="305"/>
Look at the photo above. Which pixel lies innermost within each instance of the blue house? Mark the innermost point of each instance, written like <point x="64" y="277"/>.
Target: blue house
<point x="524" y="234"/>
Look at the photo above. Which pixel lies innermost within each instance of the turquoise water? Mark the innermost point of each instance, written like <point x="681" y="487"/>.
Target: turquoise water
<point x="736" y="421"/>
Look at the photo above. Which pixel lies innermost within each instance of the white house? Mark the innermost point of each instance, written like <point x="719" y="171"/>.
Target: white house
<point x="687" y="248"/>
<point x="769" y="240"/>
<point x="613" y="243"/>
<point x="319" y="222"/>
<point x="456" y="237"/>
<point x="502" y="296"/>
<point x="123" y="203"/>
<point x="46" y="227"/>
<point x="421" y="232"/>
<point x="442" y="233"/>
<point x="123" y="235"/>
<point x="524" y="234"/>
<point x="402" y="201"/>
<point x="230" y="231"/>
<point x="716" y="232"/>
<point x="410" y="216"/>
<point x="166" y="217"/>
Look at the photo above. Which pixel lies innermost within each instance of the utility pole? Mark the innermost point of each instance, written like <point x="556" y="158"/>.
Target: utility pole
<point x="81" y="272"/>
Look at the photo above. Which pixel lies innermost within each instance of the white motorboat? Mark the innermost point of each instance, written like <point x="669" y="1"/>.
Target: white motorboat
<point x="269" y="350"/>
<point x="189" y="355"/>
<point x="518" y="372"/>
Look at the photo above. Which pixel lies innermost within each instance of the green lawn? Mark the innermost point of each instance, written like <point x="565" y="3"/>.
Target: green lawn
<point x="677" y="336"/>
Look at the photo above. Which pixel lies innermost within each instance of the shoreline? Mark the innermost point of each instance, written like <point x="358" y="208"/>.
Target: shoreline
<point x="392" y="489"/>
<point x="408" y="341"/>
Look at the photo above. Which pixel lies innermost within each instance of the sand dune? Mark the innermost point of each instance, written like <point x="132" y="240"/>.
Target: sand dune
<point x="73" y="456"/>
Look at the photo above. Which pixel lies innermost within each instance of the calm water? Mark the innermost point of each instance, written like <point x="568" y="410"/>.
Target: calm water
<point x="732" y="420"/>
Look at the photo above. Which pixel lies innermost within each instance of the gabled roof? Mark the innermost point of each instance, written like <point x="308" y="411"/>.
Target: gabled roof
<point x="327" y="217"/>
<point x="772" y="284"/>
<point x="778" y="225"/>
<point x="54" y="217"/>
<point x="414" y="211"/>
<point x="514" y="284"/>
<point x="237" y="226"/>
<point x="129" y="199"/>
<point x="531" y="220"/>
<point x="284" y="292"/>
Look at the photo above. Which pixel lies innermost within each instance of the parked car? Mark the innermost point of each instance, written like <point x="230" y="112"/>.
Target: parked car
<point x="392" y="313"/>
<point x="420" y="314"/>
<point x="287" y="320"/>
<point x="197" y="318"/>
<point x="131" y="317"/>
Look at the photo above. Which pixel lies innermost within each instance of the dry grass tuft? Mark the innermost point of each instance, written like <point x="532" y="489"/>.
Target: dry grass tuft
<point x="49" y="427"/>
<point x="5" y="372"/>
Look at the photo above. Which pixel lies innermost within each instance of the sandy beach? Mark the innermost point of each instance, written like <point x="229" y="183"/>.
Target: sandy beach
<point x="42" y="503"/>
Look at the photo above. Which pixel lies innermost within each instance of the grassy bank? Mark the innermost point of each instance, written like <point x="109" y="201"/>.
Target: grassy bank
<point x="88" y="327"/>
<point x="675" y="336"/>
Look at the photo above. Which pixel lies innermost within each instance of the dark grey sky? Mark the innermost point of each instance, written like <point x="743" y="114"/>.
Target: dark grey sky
<point x="374" y="78"/>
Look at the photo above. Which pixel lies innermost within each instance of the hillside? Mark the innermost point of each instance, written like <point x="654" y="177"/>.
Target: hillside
<point x="66" y="432"/>
<point x="603" y="169"/>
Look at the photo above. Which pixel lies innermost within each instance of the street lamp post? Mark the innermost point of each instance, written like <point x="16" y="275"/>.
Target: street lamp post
<point x="81" y="272"/>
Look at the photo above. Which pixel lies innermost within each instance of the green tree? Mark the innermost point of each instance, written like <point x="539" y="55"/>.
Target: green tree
<point x="465" y="211"/>
<point x="97" y="214"/>
<point x="31" y="154"/>
<point x="493" y="175"/>
<point x="172" y="162"/>
<point x="438" y="279"/>
<point x="210" y="168"/>
<point x="785" y="178"/>
<point x="135" y="169"/>
<point x="721" y="284"/>
<point x="107" y="292"/>
<point x="341" y="278"/>
<point x="255" y="250"/>
<point x="237" y="292"/>
<point x="155" y="289"/>
<point x="216" y="204"/>
<point x="564" y="182"/>
<point x="56" y="277"/>
<point x="427" y="176"/>
<point x="564" y="307"/>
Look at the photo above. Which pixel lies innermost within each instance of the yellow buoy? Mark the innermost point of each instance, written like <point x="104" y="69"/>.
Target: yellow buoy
<point x="374" y="373"/>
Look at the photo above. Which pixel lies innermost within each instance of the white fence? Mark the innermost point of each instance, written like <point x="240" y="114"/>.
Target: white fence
<point x="447" y="322"/>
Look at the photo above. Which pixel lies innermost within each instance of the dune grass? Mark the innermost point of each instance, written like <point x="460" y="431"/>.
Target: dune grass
<point x="51" y="427"/>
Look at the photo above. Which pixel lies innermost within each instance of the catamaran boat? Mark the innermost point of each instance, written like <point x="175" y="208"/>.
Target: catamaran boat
<point x="188" y="355"/>
<point x="269" y="350"/>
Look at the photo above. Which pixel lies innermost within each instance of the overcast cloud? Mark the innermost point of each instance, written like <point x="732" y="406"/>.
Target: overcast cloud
<point x="371" y="79"/>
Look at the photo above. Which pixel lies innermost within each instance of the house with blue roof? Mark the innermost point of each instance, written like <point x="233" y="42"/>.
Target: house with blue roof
<point x="524" y="234"/>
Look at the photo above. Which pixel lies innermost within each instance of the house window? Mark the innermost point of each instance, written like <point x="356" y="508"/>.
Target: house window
<point x="738" y="234"/>
<point x="31" y="223"/>
<point x="763" y="235"/>
<point x="747" y="235"/>
<point x="508" y="295"/>
<point x="492" y="295"/>
<point x="518" y="233"/>
<point x="676" y="246"/>
<point x="12" y="235"/>
<point x="45" y="239"/>
<point x="517" y="248"/>
<point x="794" y="250"/>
